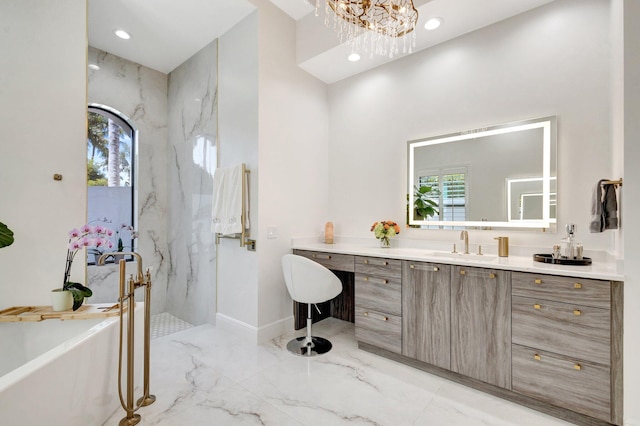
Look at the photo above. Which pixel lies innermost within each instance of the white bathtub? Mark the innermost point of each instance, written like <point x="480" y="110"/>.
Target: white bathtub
<point x="63" y="372"/>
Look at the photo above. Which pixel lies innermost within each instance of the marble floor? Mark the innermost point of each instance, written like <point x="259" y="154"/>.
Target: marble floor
<point x="208" y="376"/>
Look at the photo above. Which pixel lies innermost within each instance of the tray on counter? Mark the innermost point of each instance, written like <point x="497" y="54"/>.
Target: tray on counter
<point x="548" y="258"/>
<point x="40" y="313"/>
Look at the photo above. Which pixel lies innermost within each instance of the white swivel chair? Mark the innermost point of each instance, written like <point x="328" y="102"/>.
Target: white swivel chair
<point x="309" y="282"/>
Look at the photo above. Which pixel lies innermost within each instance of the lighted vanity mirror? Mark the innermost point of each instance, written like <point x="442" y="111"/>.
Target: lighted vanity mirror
<point x="502" y="176"/>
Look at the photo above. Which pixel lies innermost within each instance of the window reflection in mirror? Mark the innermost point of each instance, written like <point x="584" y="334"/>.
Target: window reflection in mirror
<point x="495" y="177"/>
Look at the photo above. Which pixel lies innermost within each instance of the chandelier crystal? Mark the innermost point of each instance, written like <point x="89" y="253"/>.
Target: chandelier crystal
<point x="373" y="26"/>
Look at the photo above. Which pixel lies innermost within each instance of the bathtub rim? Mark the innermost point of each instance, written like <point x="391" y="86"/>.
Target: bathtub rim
<point x="16" y="375"/>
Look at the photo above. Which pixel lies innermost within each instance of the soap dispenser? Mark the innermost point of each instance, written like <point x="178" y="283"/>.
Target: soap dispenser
<point x="568" y="244"/>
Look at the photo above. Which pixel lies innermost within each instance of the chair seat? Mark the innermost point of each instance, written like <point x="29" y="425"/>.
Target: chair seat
<point x="309" y="282"/>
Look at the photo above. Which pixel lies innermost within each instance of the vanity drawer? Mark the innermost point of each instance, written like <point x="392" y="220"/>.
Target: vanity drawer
<point x="581" y="291"/>
<point x="379" y="294"/>
<point x="563" y="381"/>
<point x="337" y="262"/>
<point x="571" y="330"/>
<point x="379" y="329"/>
<point x="379" y="267"/>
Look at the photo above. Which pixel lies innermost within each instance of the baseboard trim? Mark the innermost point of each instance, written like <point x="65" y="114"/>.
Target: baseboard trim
<point x="253" y="334"/>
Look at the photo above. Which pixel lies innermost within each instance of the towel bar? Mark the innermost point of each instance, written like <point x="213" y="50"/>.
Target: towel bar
<point x="613" y="182"/>
<point x="243" y="237"/>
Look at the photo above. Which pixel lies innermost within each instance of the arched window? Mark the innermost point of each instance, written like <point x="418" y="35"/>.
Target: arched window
<point x="111" y="176"/>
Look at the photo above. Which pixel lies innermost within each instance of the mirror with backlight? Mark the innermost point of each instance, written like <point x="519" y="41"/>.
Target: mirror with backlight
<point x="502" y="176"/>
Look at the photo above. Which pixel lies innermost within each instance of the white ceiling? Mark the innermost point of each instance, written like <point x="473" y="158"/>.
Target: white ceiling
<point x="165" y="33"/>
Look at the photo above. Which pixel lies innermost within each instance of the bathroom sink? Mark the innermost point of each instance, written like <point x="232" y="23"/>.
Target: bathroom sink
<point x="462" y="256"/>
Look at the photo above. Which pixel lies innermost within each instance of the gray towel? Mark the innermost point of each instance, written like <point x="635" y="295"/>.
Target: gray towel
<point x="604" y="207"/>
<point x="610" y="207"/>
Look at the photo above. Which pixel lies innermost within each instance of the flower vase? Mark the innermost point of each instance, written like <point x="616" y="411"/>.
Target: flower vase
<point x="385" y="242"/>
<point x="61" y="300"/>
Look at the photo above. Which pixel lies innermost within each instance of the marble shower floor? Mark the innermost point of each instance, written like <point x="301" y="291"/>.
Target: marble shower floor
<point x="208" y="376"/>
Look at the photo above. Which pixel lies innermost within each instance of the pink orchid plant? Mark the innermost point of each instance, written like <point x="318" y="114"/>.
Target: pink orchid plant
<point x="88" y="236"/>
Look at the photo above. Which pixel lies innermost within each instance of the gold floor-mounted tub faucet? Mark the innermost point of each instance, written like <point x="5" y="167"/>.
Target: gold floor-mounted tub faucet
<point x="127" y="293"/>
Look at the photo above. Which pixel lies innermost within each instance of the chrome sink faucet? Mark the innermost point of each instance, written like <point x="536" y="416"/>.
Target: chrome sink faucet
<point x="464" y="235"/>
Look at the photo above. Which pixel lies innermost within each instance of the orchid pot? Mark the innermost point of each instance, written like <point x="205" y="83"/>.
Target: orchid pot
<point x="61" y="300"/>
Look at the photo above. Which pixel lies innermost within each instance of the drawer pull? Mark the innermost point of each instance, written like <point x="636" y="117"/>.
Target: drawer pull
<point x="411" y="266"/>
<point x="366" y="261"/>
<point x="577" y="312"/>
<point x="538" y="281"/>
<point x="383" y="318"/>
<point x="385" y="263"/>
<point x="577" y="285"/>
<point x="577" y="367"/>
<point x="537" y="306"/>
<point x="492" y="275"/>
<point x="383" y="281"/>
<point x="463" y="272"/>
<point x="436" y="269"/>
<point x="536" y="357"/>
<point x="315" y="256"/>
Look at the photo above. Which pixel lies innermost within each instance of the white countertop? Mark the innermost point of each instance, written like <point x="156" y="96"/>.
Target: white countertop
<point x="599" y="269"/>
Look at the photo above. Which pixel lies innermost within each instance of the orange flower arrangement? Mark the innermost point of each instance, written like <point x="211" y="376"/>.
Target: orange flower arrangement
<point x="384" y="231"/>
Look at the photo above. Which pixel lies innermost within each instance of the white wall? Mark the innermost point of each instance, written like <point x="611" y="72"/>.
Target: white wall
<point x="43" y="131"/>
<point x="237" y="269"/>
<point x="287" y="154"/>
<point x="630" y="101"/>
<point x="553" y="60"/>
<point x="293" y="157"/>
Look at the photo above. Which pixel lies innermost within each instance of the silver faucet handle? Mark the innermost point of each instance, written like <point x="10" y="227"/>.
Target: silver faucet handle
<point x="454" y="248"/>
<point x="479" y="250"/>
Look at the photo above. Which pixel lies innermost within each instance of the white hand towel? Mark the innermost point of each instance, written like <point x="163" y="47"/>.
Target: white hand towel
<point x="227" y="201"/>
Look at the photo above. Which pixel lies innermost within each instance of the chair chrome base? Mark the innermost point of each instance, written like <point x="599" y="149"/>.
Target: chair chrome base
<point x="302" y="347"/>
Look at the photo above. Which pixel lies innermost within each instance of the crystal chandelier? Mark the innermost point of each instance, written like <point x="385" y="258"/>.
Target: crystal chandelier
<point x="373" y="26"/>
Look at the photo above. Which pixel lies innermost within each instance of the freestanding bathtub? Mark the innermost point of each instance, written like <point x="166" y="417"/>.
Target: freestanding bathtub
<point x="56" y="372"/>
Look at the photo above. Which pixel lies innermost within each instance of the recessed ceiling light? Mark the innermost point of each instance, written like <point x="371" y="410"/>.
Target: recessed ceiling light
<point x="433" y="23"/>
<point x="354" y="57"/>
<point x="123" y="34"/>
<point x="94" y="67"/>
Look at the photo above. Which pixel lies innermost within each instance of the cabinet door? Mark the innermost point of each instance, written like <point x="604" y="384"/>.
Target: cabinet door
<point x="481" y="324"/>
<point x="426" y="312"/>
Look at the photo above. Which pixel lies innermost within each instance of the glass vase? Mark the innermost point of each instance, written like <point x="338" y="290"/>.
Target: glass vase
<point x="385" y="242"/>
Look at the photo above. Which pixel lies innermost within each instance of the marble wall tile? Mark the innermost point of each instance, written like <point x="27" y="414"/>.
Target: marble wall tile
<point x="176" y="116"/>
<point x="192" y="159"/>
<point x="139" y="93"/>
